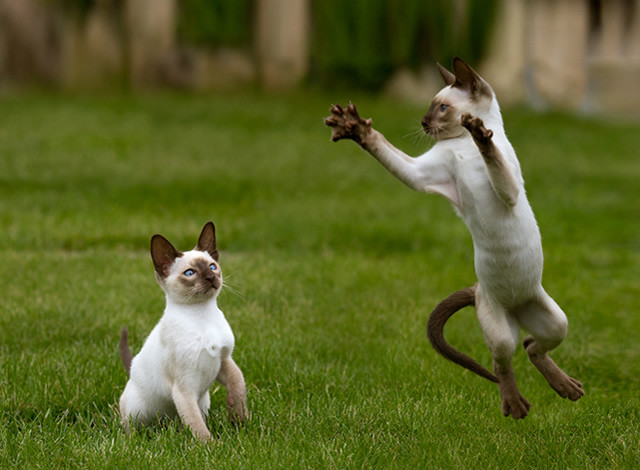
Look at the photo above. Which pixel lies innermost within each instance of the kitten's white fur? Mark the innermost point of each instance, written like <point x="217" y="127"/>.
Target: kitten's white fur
<point x="184" y="354"/>
<point x="480" y="175"/>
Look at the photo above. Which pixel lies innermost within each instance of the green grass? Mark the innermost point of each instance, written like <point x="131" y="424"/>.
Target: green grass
<point x="337" y="266"/>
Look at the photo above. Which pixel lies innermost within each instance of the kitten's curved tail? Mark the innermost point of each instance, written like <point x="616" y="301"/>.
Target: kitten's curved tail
<point x="125" y="353"/>
<point x="435" y="331"/>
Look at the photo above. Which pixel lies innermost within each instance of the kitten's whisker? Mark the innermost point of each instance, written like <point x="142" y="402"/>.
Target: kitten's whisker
<point x="191" y="293"/>
<point x="413" y="134"/>
<point x="421" y="137"/>
<point x="231" y="289"/>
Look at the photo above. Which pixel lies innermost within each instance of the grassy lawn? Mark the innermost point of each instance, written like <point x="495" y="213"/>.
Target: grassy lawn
<point x="332" y="267"/>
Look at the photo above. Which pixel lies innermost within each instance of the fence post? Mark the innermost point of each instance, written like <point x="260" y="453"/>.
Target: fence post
<point x="282" y="37"/>
<point x="150" y="38"/>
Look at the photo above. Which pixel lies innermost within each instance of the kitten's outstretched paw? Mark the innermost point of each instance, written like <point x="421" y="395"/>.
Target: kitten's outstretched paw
<point x="346" y="123"/>
<point x="475" y="126"/>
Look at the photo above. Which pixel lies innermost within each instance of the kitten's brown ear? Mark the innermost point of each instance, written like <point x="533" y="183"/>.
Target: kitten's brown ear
<point x="447" y="76"/>
<point x="207" y="240"/>
<point x="468" y="79"/>
<point x="163" y="255"/>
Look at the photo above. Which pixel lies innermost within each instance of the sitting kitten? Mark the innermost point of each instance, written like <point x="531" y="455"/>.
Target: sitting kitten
<point x="189" y="348"/>
<point x="476" y="169"/>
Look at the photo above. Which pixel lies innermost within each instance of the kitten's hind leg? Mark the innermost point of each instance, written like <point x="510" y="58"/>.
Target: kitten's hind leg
<point x="563" y="384"/>
<point x="547" y="324"/>
<point x="513" y="403"/>
<point x="501" y="335"/>
<point x="204" y="403"/>
<point x="133" y="408"/>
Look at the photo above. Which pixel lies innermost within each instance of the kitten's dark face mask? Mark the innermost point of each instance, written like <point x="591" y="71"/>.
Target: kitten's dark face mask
<point x="193" y="278"/>
<point x="465" y="92"/>
<point x="190" y="277"/>
<point x="202" y="276"/>
<point x="441" y="121"/>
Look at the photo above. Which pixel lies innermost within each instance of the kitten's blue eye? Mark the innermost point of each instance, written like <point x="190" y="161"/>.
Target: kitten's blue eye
<point x="213" y="267"/>
<point x="189" y="272"/>
<point x="443" y="107"/>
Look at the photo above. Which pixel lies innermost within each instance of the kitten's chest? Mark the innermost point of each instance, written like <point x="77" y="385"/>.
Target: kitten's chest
<point x="192" y="339"/>
<point x="217" y="340"/>
<point x="472" y="175"/>
<point x="472" y="179"/>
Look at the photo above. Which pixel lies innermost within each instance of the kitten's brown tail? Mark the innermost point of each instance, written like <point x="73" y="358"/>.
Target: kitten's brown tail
<point x="125" y="353"/>
<point x="435" y="330"/>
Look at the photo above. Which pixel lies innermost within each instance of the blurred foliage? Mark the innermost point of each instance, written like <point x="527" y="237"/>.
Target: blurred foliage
<point x="354" y="43"/>
<point x="215" y="22"/>
<point x="361" y="42"/>
<point x="82" y="7"/>
<point x="202" y="22"/>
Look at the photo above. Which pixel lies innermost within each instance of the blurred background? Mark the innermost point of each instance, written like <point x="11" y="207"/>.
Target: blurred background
<point x="578" y="55"/>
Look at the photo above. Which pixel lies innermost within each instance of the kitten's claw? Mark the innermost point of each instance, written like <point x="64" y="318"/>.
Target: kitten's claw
<point x="346" y="123"/>
<point x="476" y="127"/>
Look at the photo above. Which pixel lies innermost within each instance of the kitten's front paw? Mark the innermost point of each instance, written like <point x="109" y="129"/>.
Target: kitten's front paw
<point x="238" y="411"/>
<point x="346" y="123"/>
<point x="205" y="438"/>
<point x="476" y="127"/>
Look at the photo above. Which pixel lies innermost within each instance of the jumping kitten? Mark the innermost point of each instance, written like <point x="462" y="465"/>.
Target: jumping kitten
<point x="189" y="348"/>
<point x="473" y="165"/>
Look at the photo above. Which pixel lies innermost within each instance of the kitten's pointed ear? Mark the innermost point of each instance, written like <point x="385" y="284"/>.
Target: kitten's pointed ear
<point x="163" y="255"/>
<point x="468" y="79"/>
<point x="207" y="240"/>
<point x="447" y="76"/>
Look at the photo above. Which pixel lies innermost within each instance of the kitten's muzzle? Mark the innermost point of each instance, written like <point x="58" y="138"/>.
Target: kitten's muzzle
<point x="215" y="281"/>
<point x="426" y="125"/>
